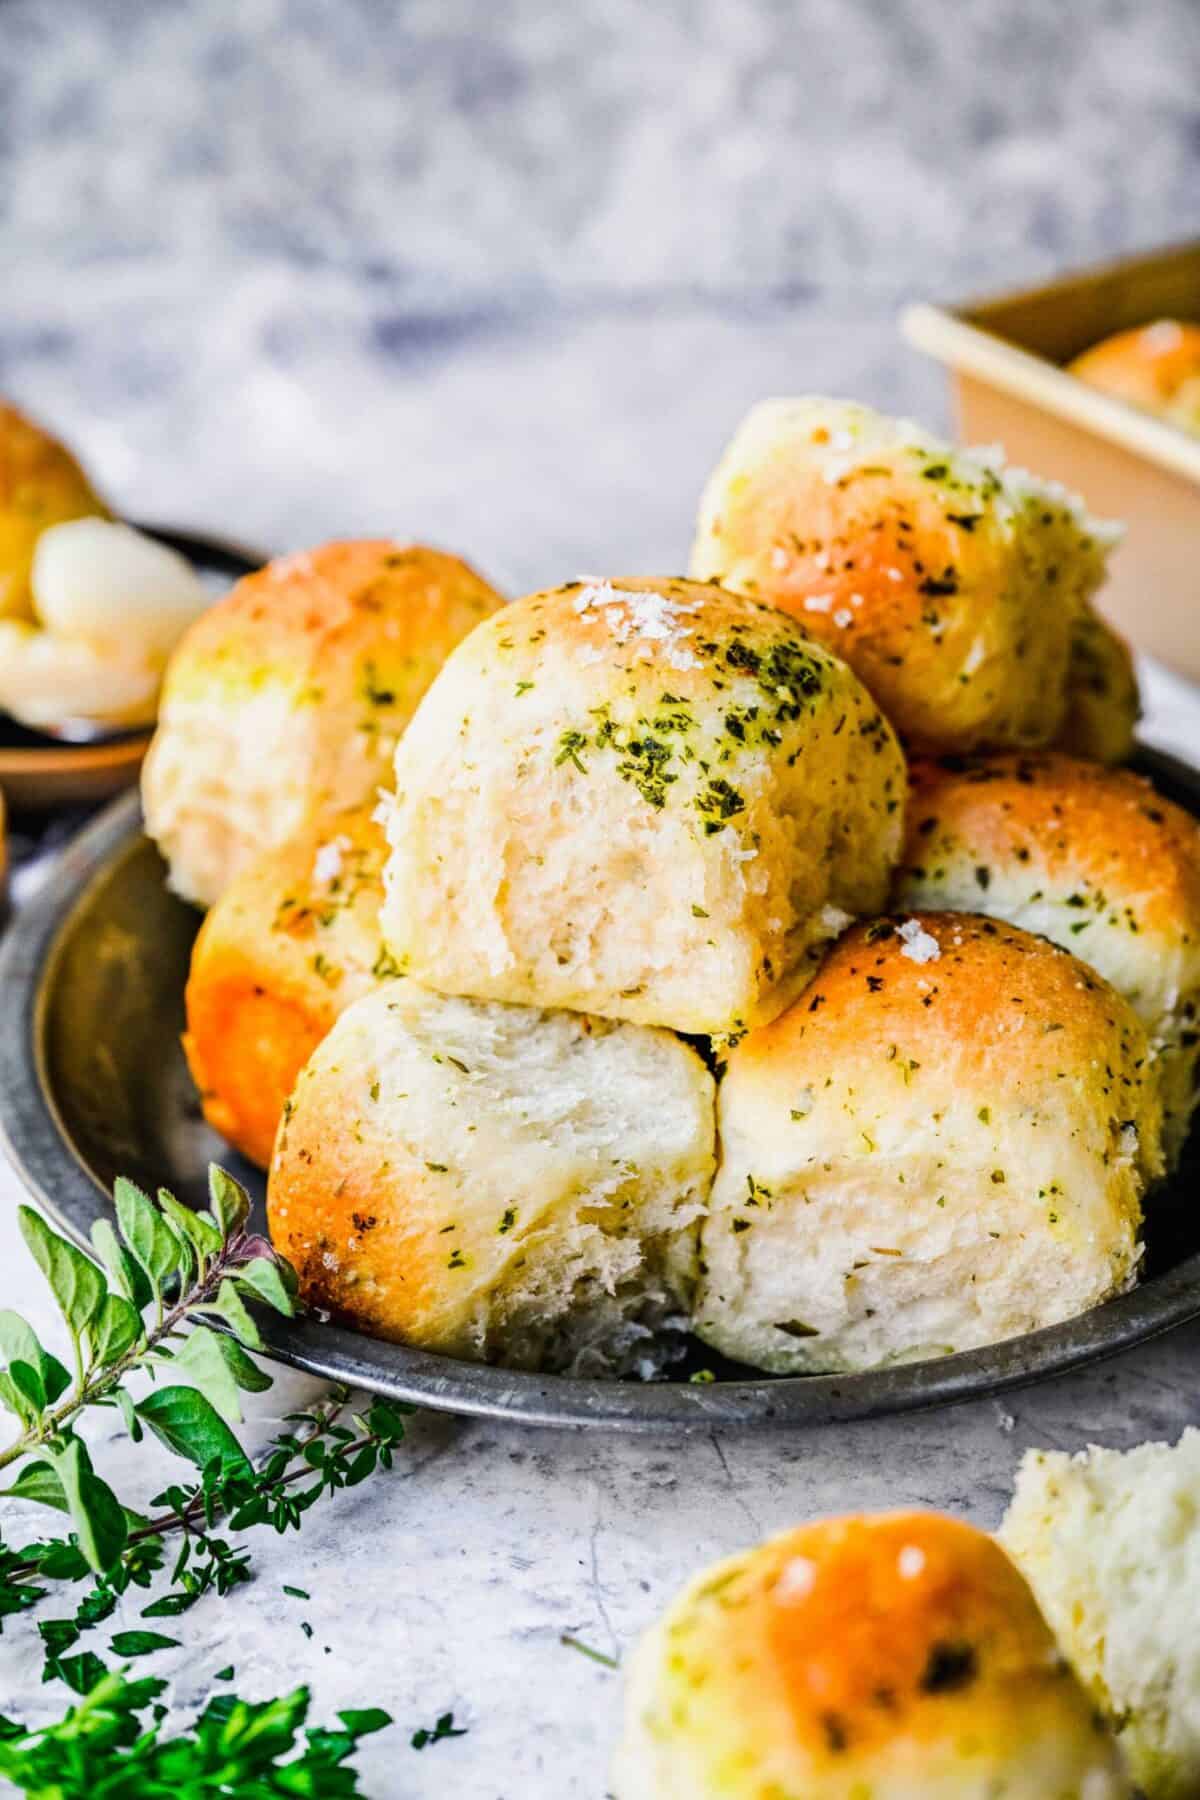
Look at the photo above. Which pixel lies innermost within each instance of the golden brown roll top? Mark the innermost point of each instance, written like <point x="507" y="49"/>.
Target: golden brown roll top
<point x="287" y="948"/>
<point x="896" y="1657"/>
<point x="950" y="583"/>
<point x="1156" y="367"/>
<point x="1091" y="858"/>
<point x="41" y="484"/>
<point x="287" y="698"/>
<point x="647" y="799"/>
<point x="1102" y="701"/>
<point x="498" y="1183"/>
<point x="942" y="1143"/>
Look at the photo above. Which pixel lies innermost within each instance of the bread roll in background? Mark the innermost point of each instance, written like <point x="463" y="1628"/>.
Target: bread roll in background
<point x="1092" y="858"/>
<point x="1156" y="367"/>
<point x="41" y="484"/>
<point x="1110" y="1543"/>
<point x="287" y="698"/>
<point x="950" y="583"/>
<point x="943" y="1143"/>
<point x="290" y="945"/>
<point x="498" y="1183"/>
<point x="646" y="799"/>
<point x="896" y="1657"/>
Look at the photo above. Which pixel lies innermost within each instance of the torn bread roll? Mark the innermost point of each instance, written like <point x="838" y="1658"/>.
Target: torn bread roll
<point x="287" y="698"/>
<point x="891" y="1657"/>
<point x="942" y="1144"/>
<point x="1091" y="858"/>
<point x="1109" y="1540"/>
<point x="286" y="949"/>
<point x="950" y="583"/>
<point x="498" y="1183"/>
<point x="646" y="799"/>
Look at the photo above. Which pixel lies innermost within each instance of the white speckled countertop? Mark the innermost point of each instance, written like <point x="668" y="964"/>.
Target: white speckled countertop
<point x="505" y="279"/>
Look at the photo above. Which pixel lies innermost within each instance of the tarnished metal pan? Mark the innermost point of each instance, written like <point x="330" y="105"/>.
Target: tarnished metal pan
<point x="93" y="1084"/>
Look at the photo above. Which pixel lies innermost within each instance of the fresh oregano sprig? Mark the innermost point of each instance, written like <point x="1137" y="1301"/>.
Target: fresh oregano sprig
<point x="167" y="1273"/>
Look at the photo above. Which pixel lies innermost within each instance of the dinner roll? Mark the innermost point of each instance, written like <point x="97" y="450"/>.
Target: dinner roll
<point x="894" y="1657"/>
<point x="40" y="484"/>
<point x="288" y="696"/>
<point x="1093" y="859"/>
<point x="1110" y="1542"/>
<point x="1102" y="700"/>
<point x="943" y="1143"/>
<point x="646" y="799"/>
<point x="1156" y="367"/>
<point x="949" y="582"/>
<point x="286" y="948"/>
<point x="496" y="1182"/>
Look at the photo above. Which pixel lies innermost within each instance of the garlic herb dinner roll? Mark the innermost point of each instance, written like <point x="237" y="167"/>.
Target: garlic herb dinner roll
<point x="290" y="945"/>
<point x="1102" y="700"/>
<point x="287" y="698"/>
<point x="950" y="583"/>
<point x="40" y="484"/>
<point x="1155" y="367"/>
<point x="646" y="799"/>
<point x="1109" y="1540"/>
<point x="891" y="1657"/>
<point x="1093" y="859"/>
<point x="942" y="1143"/>
<point x="498" y="1183"/>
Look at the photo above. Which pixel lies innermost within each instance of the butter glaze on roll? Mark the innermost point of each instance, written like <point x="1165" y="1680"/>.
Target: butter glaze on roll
<point x="646" y="799"/>
<point x="942" y="1144"/>
<point x="1091" y="858"/>
<point x="498" y="1183"/>
<point x="41" y="484"/>
<point x="286" y="949"/>
<point x="950" y="583"/>
<point x="287" y="698"/>
<point x="895" y="1657"/>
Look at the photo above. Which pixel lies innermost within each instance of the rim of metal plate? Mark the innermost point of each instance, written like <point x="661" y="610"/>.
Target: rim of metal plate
<point x="58" y="1179"/>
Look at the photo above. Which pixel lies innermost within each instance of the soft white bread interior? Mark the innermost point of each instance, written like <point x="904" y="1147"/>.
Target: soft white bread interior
<point x="286" y="698"/>
<point x="1110" y="1542"/>
<point x="943" y="1143"/>
<point x="497" y="1182"/>
<point x="1092" y="858"/>
<point x="950" y="582"/>
<point x="646" y="799"/>
<point x="896" y="1657"/>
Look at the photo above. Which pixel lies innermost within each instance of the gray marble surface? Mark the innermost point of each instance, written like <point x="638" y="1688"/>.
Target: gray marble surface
<point x="504" y="278"/>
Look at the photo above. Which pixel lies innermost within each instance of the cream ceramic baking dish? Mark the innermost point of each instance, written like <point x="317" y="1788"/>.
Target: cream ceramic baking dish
<point x="1005" y="356"/>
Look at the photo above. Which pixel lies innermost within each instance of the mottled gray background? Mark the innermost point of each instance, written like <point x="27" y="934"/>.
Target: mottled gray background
<point x="504" y="276"/>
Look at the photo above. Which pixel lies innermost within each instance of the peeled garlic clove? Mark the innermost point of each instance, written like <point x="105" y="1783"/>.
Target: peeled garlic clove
<point x="46" y="681"/>
<point x="107" y="585"/>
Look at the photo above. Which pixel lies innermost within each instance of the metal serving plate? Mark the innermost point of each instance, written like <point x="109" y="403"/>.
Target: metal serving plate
<point x="93" y="1084"/>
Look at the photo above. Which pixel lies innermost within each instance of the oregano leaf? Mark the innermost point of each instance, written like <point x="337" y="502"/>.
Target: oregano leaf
<point x="125" y="1274"/>
<point x="189" y="1424"/>
<point x="264" y="1277"/>
<point x="19" y="1343"/>
<point x="75" y="1282"/>
<point x="37" y="1481"/>
<point x="95" y="1510"/>
<point x="150" y="1239"/>
<point x="117" y="1327"/>
<point x="230" y="1201"/>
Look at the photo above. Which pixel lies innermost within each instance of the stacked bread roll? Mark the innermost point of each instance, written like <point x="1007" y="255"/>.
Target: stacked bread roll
<point x="657" y="1003"/>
